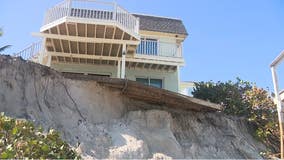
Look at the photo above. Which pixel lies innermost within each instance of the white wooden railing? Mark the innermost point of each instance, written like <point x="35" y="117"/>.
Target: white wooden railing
<point x="58" y="11"/>
<point x="127" y="20"/>
<point x="31" y="51"/>
<point x="93" y="9"/>
<point x="156" y="48"/>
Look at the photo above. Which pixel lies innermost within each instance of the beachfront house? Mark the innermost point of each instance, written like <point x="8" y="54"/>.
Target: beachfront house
<point x="102" y="38"/>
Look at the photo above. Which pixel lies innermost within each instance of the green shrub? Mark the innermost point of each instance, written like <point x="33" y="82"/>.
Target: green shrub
<point x="228" y="94"/>
<point x="242" y="99"/>
<point x="21" y="139"/>
<point x="263" y="115"/>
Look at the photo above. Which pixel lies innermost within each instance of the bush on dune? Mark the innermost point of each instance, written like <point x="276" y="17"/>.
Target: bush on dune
<point x="21" y="139"/>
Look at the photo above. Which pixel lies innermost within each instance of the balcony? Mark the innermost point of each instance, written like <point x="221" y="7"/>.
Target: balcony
<point x="152" y="47"/>
<point x="157" y="50"/>
<point x="94" y="12"/>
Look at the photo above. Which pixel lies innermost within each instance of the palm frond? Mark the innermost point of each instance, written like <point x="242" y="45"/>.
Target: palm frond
<point x="4" y="47"/>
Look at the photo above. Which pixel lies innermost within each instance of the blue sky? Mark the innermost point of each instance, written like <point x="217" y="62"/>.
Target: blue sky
<point x="227" y="38"/>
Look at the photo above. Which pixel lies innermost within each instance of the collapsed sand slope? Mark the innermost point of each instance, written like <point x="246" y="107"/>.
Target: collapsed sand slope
<point x="102" y="123"/>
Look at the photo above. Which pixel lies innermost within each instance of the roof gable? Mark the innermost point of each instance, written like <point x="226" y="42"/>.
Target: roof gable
<point x="161" y="24"/>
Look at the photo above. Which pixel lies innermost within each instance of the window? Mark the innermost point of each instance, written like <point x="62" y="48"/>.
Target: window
<point x="156" y="83"/>
<point x="151" y="82"/>
<point x="143" y="80"/>
<point x="148" y="46"/>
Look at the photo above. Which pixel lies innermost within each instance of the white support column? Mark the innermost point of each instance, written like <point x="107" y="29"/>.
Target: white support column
<point x="42" y="51"/>
<point x="48" y="60"/>
<point x="118" y="69"/>
<point x="123" y="61"/>
<point x="178" y="74"/>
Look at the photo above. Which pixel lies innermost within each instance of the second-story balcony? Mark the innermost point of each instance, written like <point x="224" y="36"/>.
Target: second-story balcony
<point x="92" y="11"/>
<point x="153" y="47"/>
<point x="159" y="50"/>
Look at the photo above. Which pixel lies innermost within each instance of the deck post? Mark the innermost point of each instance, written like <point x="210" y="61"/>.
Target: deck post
<point x="48" y="60"/>
<point x="178" y="75"/>
<point x="123" y="61"/>
<point x="42" y="51"/>
<point x="118" y="69"/>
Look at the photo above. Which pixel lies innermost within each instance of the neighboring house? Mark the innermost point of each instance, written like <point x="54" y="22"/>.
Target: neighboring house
<point x="102" y="38"/>
<point x="186" y="88"/>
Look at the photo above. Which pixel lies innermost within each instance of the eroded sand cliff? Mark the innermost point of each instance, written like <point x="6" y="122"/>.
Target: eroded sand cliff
<point x="103" y="123"/>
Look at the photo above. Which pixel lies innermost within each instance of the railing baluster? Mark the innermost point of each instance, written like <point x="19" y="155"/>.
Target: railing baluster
<point x="30" y="52"/>
<point x="156" y="48"/>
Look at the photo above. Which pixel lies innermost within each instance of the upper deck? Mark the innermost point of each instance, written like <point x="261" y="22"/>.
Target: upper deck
<point x="91" y="12"/>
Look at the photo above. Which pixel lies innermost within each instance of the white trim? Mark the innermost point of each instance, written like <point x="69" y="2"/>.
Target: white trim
<point x="178" y="60"/>
<point x="53" y="24"/>
<point x="159" y="36"/>
<point x="143" y="14"/>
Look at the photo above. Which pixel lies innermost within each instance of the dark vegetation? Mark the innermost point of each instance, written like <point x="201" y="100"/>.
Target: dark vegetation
<point x="3" y="48"/>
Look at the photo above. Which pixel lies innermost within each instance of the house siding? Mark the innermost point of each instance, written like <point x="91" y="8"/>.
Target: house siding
<point x="170" y="79"/>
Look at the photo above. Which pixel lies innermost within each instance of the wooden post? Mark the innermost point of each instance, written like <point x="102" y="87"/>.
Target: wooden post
<point x="279" y="109"/>
<point x="123" y="61"/>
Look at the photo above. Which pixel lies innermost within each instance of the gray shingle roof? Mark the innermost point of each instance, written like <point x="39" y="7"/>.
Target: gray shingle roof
<point x="161" y="24"/>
